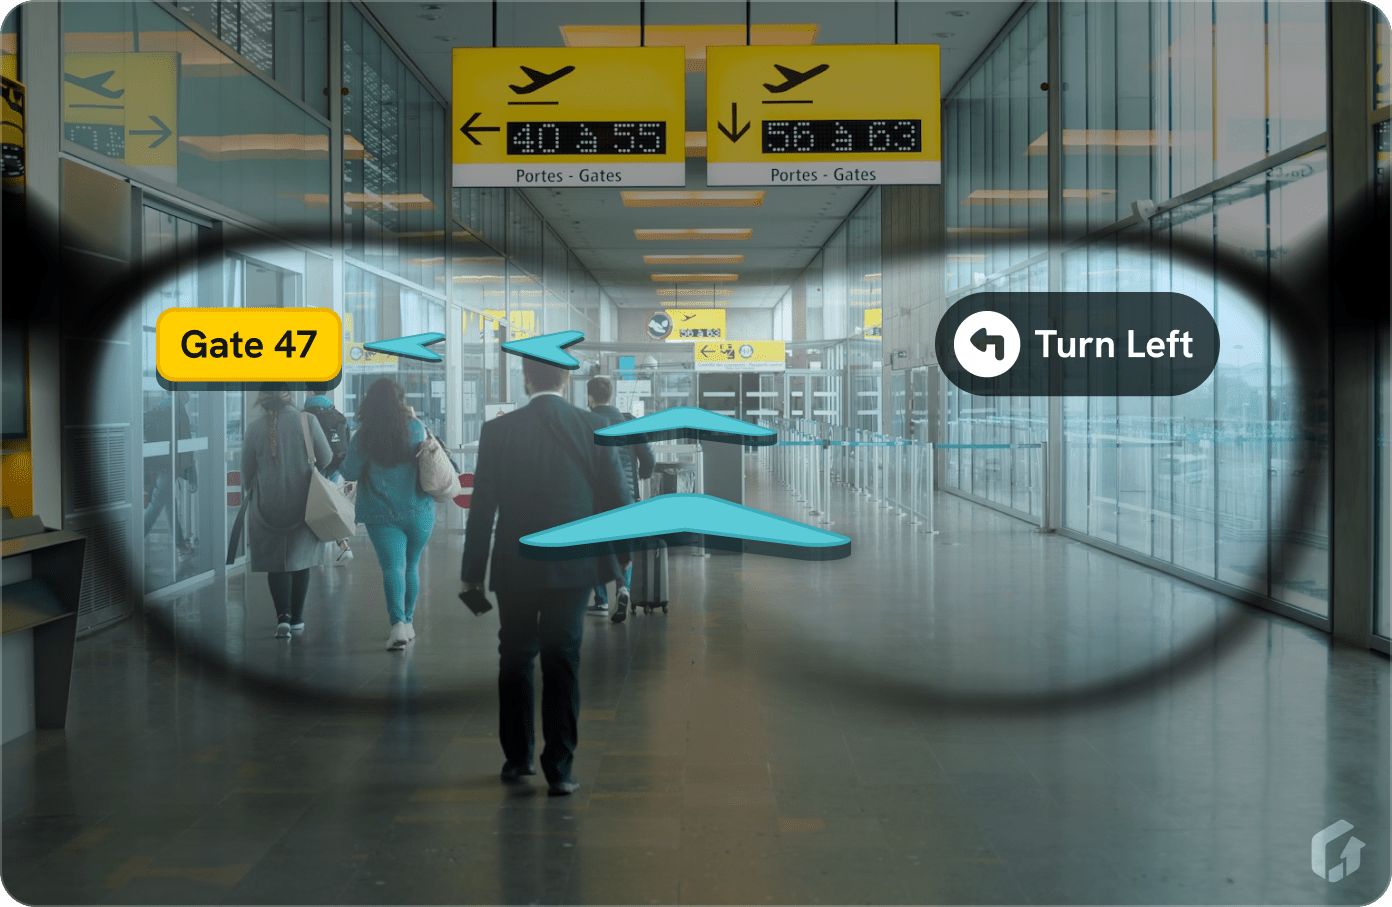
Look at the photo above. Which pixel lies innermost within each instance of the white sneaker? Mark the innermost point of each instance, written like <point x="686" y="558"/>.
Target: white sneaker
<point x="283" y="630"/>
<point x="598" y="607"/>
<point x="297" y="628"/>
<point x="344" y="556"/>
<point x="399" y="637"/>
<point x="410" y="632"/>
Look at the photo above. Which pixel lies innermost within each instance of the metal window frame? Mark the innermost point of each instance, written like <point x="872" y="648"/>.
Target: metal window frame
<point x="236" y="57"/>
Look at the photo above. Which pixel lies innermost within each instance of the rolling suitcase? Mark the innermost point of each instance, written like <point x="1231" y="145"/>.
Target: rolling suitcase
<point x="649" y="587"/>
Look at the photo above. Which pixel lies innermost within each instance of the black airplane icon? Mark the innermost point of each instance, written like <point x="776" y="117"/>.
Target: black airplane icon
<point x="95" y="84"/>
<point x="794" y="78"/>
<point x="540" y="79"/>
<point x="688" y="317"/>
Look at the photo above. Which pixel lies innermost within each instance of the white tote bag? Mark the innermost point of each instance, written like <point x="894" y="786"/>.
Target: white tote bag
<point x="327" y="510"/>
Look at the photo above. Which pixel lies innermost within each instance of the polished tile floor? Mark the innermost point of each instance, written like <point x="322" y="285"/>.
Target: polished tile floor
<point x="986" y="715"/>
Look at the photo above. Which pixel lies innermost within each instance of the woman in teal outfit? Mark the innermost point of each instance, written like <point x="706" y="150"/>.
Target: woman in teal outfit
<point x="399" y="516"/>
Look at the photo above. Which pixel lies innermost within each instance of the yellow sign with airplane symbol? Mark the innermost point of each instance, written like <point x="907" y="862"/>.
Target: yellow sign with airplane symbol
<point x="569" y="116"/>
<point x="697" y="324"/>
<point x="124" y="106"/>
<point x="741" y="356"/>
<point x="823" y="115"/>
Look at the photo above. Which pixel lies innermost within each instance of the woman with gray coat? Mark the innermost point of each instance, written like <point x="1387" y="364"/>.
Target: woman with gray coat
<point x="276" y="472"/>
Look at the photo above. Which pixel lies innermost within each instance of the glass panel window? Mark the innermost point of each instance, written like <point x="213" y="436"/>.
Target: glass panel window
<point x="393" y="180"/>
<point x="221" y="134"/>
<point x="1228" y="481"/>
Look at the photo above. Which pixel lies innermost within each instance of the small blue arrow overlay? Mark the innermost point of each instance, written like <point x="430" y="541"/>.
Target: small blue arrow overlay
<point x="412" y="346"/>
<point x="548" y="348"/>
<point x="669" y="517"/>
<point x="686" y="422"/>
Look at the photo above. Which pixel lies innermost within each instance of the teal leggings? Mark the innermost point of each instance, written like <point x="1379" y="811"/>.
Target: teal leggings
<point x="399" y="546"/>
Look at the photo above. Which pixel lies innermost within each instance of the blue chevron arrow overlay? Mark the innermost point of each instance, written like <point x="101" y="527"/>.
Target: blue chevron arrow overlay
<point x="412" y="346"/>
<point x="548" y="348"/>
<point x="723" y="523"/>
<point x="685" y="422"/>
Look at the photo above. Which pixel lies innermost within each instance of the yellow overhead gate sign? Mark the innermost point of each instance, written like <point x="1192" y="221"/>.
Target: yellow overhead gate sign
<point x="823" y="115"/>
<point x="697" y="324"/>
<point x="569" y="116"/>
<point x="124" y="106"/>
<point x="12" y="134"/>
<point x="741" y="355"/>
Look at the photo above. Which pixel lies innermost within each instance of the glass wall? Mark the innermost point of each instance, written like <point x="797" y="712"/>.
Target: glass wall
<point x="864" y="358"/>
<point x="378" y="307"/>
<point x="287" y="41"/>
<point x="1160" y="98"/>
<point x="995" y="156"/>
<point x="995" y="189"/>
<point x="515" y="278"/>
<point x="205" y="123"/>
<point x="394" y="192"/>
<point x="1210" y="481"/>
<point x="1001" y="438"/>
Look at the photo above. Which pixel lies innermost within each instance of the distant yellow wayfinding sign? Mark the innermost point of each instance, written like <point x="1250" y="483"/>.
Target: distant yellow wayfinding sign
<point x="697" y="324"/>
<point x="830" y="115"/>
<point x="569" y="116"/>
<point x="124" y="106"/>
<point x="741" y="356"/>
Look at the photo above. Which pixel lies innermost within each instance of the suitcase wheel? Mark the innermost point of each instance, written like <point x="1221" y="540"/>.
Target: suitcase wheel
<point x="664" y="607"/>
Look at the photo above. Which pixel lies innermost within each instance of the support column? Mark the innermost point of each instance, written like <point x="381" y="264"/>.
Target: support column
<point x="1053" y="441"/>
<point x="41" y="41"/>
<point x="1353" y="286"/>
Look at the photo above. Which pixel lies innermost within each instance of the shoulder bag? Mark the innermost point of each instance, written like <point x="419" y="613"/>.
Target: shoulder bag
<point x="328" y="512"/>
<point x="435" y="474"/>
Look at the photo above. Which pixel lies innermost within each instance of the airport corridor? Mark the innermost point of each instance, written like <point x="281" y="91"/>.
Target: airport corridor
<point x="1049" y="724"/>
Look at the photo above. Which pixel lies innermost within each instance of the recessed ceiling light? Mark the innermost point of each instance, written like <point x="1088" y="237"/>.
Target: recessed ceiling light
<point x="728" y="233"/>
<point x="944" y="34"/>
<point x="431" y="17"/>
<point x="694" y="39"/>
<point x="688" y="198"/>
<point x="444" y="37"/>
<point x="959" y="13"/>
<point x="431" y="6"/>
<point x="691" y="278"/>
<point x="693" y="259"/>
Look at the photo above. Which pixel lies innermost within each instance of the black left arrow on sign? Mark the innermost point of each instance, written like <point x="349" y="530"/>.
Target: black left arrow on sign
<point x="163" y="131"/>
<point x="469" y="128"/>
<point x="734" y="124"/>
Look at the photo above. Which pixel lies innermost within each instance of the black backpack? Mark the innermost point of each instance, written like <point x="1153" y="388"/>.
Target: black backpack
<point x="335" y="426"/>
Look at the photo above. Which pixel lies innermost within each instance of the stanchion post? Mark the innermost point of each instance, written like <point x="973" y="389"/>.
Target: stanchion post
<point x="1044" y="495"/>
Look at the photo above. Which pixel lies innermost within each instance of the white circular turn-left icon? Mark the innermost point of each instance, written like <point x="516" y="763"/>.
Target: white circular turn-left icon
<point x="987" y="344"/>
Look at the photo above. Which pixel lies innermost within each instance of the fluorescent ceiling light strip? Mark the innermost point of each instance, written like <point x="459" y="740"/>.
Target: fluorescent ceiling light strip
<point x="693" y="291"/>
<point x="694" y="39"/>
<point x="698" y="233"/>
<point x="693" y="278"/>
<point x="1118" y="141"/>
<point x="1032" y="196"/>
<point x="693" y="259"/>
<point x="691" y="198"/>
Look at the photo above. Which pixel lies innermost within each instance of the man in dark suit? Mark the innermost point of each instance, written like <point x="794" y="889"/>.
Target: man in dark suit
<point x="538" y="467"/>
